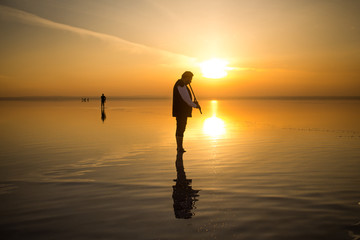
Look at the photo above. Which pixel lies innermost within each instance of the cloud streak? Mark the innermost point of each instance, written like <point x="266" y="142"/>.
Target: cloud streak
<point x="119" y="43"/>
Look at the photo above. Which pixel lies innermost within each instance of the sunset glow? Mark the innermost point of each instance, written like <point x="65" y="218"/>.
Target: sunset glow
<point x="140" y="48"/>
<point x="214" y="68"/>
<point x="160" y="119"/>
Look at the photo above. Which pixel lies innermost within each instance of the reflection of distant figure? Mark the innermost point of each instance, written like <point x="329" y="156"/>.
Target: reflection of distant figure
<point x="103" y="100"/>
<point x="182" y="106"/>
<point x="183" y="195"/>
<point x="103" y="115"/>
<point x="354" y="231"/>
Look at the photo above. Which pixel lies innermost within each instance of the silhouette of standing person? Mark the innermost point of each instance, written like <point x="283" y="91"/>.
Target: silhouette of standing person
<point x="103" y="100"/>
<point x="182" y="107"/>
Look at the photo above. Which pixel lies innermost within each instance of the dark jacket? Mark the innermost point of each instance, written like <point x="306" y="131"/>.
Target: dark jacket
<point x="180" y="107"/>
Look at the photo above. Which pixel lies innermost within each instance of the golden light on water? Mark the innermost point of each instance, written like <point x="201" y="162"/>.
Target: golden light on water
<point x="214" y="126"/>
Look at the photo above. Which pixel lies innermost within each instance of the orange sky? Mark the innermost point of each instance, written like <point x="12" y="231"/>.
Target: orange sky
<point x="132" y="48"/>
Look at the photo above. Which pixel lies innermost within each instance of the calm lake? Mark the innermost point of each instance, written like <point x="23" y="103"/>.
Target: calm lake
<point x="254" y="169"/>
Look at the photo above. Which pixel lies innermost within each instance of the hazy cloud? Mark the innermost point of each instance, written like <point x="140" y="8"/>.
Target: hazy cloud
<point x="119" y="43"/>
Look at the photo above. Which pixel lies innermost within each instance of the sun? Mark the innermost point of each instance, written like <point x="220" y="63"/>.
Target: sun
<point x="214" y="68"/>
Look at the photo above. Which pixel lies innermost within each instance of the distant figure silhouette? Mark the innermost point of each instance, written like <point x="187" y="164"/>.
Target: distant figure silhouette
<point x="103" y="100"/>
<point x="183" y="195"/>
<point x="182" y="107"/>
<point x="103" y="115"/>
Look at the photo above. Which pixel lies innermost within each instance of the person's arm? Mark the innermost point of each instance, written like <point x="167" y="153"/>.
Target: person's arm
<point x="185" y="96"/>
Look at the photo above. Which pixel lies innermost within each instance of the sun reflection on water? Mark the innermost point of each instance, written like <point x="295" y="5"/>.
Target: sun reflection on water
<point x="214" y="126"/>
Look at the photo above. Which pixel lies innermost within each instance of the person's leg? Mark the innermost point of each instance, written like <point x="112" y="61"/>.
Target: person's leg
<point x="180" y="129"/>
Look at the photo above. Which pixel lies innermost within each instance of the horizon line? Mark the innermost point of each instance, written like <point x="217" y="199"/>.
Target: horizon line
<point x="140" y="97"/>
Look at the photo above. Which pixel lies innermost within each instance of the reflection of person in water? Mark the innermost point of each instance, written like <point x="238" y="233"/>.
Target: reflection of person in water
<point x="103" y="115"/>
<point x="103" y="100"/>
<point x="183" y="195"/>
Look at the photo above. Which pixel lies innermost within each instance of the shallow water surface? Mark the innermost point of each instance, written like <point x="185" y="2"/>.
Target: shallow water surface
<point x="254" y="169"/>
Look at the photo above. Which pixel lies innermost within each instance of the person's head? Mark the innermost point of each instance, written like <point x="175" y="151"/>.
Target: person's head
<point x="186" y="77"/>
